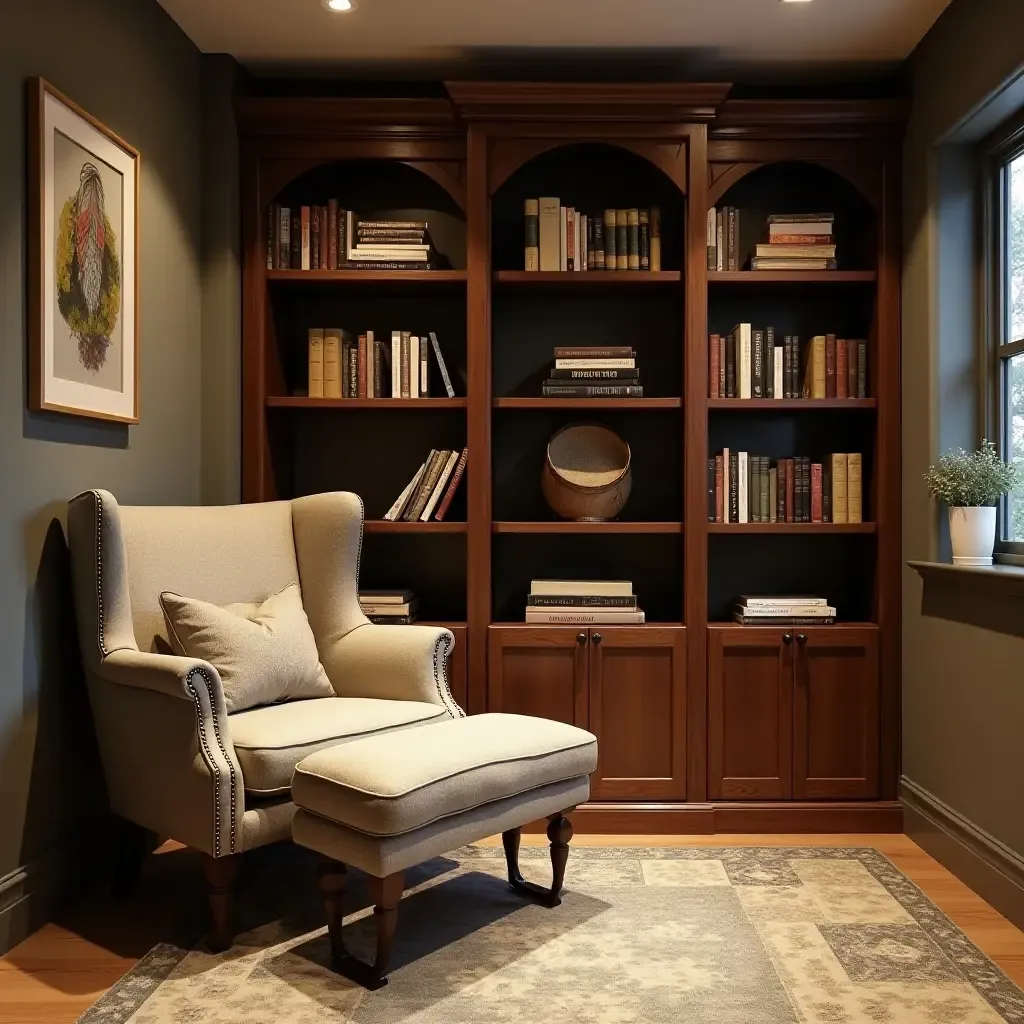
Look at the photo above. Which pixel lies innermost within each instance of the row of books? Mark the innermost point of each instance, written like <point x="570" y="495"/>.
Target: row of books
<point x="432" y="488"/>
<point x="389" y="607"/>
<point x="563" y="238"/>
<point x="793" y="241"/>
<point x="344" y="366"/>
<point x="745" y="488"/>
<point x="594" y="372"/>
<point x="749" y="363"/>
<point x="583" y="603"/>
<point x="331" y="238"/>
<point x="784" y="611"/>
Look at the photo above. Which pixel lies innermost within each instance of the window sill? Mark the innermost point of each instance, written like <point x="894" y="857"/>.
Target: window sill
<point x="989" y="597"/>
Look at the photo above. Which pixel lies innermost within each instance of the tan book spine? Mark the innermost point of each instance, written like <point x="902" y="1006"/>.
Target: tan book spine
<point x="633" y="239"/>
<point x="305" y="243"/>
<point x="437" y="460"/>
<point x="854" y="490"/>
<point x="332" y="370"/>
<point x="405" y="363"/>
<point x="814" y="373"/>
<point x="840" y="508"/>
<point x="549" y="246"/>
<point x="655" y="228"/>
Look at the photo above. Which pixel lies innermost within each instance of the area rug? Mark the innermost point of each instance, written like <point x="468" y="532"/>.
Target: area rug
<point x="643" y="936"/>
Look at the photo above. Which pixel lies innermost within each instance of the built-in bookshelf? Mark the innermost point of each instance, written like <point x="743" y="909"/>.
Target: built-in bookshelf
<point x="469" y="166"/>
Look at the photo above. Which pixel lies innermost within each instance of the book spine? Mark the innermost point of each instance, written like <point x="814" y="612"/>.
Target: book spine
<point x="779" y="515"/>
<point x="711" y="239"/>
<point x="353" y="370"/>
<point x="583" y="617"/>
<point x="769" y="362"/>
<point x="595" y="364"/>
<point x="424" y="369"/>
<point x="592" y="391"/>
<point x="547" y="233"/>
<point x="591" y="352"/>
<point x="426" y="485"/>
<point x="778" y="376"/>
<point x="743" y="356"/>
<point x="720" y="236"/>
<point x="840" y="508"/>
<point x="790" y="491"/>
<point x="393" y="225"/>
<point x="578" y="601"/>
<point x="766" y="492"/>
<point x="711" y="490"/>
<point x="851" y="369"/>
<point x="453" y="484"/>
<point x="599" y="257"/>
<point x="447" y="465"/>
<point x="332" y="234"/>
<point x="816" y="492"/>
<point x="734" y="488"/>
<point x="610" y="238"/>
<point x="713" y="366"/>
<point x="324" y="239"/>
<point x="361" y="365"/>
<point x="531" y="223"/>
<point x="854" y="480"/>
<point x="414" y="366"/>
<point x="563" y="238"/>
<point x="273" y="227"/>
<point x="730" y="367"/>
<point x="862" y="369"/>
<point x="391" y="620"/>
<point x="743" y="483"/>
<point x="286" y="238"/>
<point x="796" y="239"/>
<point x="441" y="365"/>
<point x="719" y="488"/>
<point x="830" y="366"/>
<point x="396" y="364"/>
<point x="332" y="362"/>
<point x="655" y="231"/>
<point x="721" y="367"/>
<point x="314" y="238"/>
<point x="796" y="620"/>
<point x="731" y="244"/>
<point x="296" y="240"/>
<point x="645" y="240"/>
<point x="591" y="256"/>
<point x="405" y="364"/>
<point x="757" y="364"/>
<point x="622" y="239"/>
<point x="316" y="362"/>
<point x="842" y="369"/>
<point x="826" y="494"/>
<point x="632" y="376"/>
<point x="570" y="238"/>
<point x="633" y="239"/>
<point x="378" y="370"/>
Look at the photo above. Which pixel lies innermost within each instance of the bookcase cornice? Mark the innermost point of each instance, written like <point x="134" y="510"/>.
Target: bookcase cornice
<point x="809" y="119"/>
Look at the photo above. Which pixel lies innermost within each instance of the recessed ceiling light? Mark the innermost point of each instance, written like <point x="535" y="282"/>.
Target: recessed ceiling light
<point x="339" y="5"/>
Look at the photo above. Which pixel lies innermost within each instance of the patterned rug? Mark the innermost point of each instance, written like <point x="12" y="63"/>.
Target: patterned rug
<point x="643" y="936"/>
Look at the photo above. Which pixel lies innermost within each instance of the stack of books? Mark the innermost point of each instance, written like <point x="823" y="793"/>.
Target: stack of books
<point x="343" y="366"/>
<point x="563" y="238"/>
<point x="749" y="362"/>
<point x="388" y="607"/>
<point x="583" y="603"/>
<point x="592" y="372"/>
<point x="393" y="245"/>
<point x="745" y="488"/>
<point x="784" y="611"/>
<point x="432" y="488"/>
<point x="797" y="241"/>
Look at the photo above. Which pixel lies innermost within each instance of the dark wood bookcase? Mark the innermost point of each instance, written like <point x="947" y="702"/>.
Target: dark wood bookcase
<point x="703" y="724"/>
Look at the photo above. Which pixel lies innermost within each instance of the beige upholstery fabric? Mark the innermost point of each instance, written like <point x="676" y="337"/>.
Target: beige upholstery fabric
<point x="266" y="821"/>
<point x="270" y="741"/>
<point x="387" y="785"/>
<point x="382" y="856"/>
<point x="263" y="652"/>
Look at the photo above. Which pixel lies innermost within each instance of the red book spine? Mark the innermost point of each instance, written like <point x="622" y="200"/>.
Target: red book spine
<point x="332" y="231"/>
<point x="842" y="370"/>
<point x="361" y="371"/>
<point x="460" y="468"/>
<point x="816" y="492"/>
<point x="830" y="366"/>
<point x="790" y="503"/>
<point x="713" y="367"/>
<point x="719" y="489"/>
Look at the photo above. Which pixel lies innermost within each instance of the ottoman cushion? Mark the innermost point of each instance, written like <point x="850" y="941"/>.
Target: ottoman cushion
<point x="393" y="783"/>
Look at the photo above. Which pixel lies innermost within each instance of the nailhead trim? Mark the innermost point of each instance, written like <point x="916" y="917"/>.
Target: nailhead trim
<point x="359" y="549"/>
<point x="441" y="674"/>
<point x="99" y="572"/>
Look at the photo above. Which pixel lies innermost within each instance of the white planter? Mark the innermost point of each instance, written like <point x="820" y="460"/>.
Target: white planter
<point x="972" y="532"/>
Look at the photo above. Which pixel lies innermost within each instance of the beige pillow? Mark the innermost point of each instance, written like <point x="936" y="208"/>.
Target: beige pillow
<point x="263" y="652"/>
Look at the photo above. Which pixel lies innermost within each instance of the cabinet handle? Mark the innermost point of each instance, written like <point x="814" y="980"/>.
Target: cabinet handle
<point x="801" y="638"/>
<point x="787" y="638"/>
<point x="597" y="638"/>
<point x="581" y="638"/>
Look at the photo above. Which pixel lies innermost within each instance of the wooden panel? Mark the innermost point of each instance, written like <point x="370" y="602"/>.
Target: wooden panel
<point x="750" y="715"/>
<point x="538" y="671"/>
<point x="836" y="714"/>
<point x="638" y="712"/>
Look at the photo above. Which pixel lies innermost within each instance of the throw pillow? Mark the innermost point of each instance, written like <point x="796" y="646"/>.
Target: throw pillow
<point x="263" y="652"/>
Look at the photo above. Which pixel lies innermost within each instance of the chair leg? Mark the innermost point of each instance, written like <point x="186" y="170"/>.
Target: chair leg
<point x="332" y="878"/>
<point x="510" y="840"/>
<point x="559" y="834"/>
<point x="220" y="882"/>
<point x="385" y="893"/>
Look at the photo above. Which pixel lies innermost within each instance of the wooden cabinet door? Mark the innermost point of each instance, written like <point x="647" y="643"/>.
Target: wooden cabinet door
<point x="836" y="713"/>
<point x="538" y="670"/>
<point x="638" y="712"/>
<point x="750" y="713"/>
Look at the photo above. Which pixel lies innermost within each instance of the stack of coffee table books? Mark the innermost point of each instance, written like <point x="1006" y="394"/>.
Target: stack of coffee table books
<point x="583" y="603"/>
<point x="799" y="610"/>
<point x="388" y="607"/>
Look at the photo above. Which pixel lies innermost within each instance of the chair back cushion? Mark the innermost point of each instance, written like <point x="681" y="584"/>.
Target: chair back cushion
<point x="264" y="653"/>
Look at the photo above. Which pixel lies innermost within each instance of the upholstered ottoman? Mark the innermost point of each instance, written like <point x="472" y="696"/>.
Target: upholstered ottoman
<point x="385" y="803"/>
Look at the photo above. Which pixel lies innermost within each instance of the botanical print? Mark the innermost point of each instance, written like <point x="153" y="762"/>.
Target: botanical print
<point x="87" y="266"/>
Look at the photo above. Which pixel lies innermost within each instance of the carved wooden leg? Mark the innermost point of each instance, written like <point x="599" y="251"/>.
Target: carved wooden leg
<point x="331" y="877"/>
<point x="559" y="834"/>
<point x="220" y="880"/>
<point x="386" y="893"/>
<point x="510" y="840"/>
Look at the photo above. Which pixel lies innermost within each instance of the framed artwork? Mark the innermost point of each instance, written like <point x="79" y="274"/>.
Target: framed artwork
<point x="83" y="243"/>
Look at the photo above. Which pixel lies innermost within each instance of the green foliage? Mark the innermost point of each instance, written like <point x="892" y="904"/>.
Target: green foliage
<point x="964" y="479"/>
<point x="70" y="301"/>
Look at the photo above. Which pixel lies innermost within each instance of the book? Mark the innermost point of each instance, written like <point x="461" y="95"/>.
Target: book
<point x="387" y="611"/>
<point x="778" y="601"/>
<point x="599" y="258"/>
<point x="711" y="490"/>
<point x="560" y="389"/>
<point x="414" y="366"/>
<point x="316" y="362"/>
<point x="805" y="220"/>
<point x="570" y="238"/>
<point x="417" y="502"/>
<point x="332" y="368"/>
<point x="720" y="261"/>
<point x="386" y="596"/>
<point x="424" y="369"/>
<point x="531" y="221"/>
<point x="654" y="216"/>
<point x="730" y="366"/>
<point x="295" y="238"/>
<point x="618" y="373"/>
<point x="719" y="489"/>
<point x="743" y="348"/>
<point x="781" y="250"/>
<point x="842" y="369"/>
<point x="378" y="367"/>
<point x="447" y="381"/>
<point x="453" y="485"/>
<point x="589" y="363"/>
<point x="773" y="494"/>
<point x="830" y="366"/>
<point x="404" y="364"/>
<point x="769" y="362"/>
<point x="594" y="352"/>
<point x="731" y="241"/>
<point x="778" y="374"/>
<point x="305" y="245"/>
<point x="851" y="368"/>
<point x="285" y="235"/>
<point x="814" y="384"/>
<point x="711" y="239"/>
<point x="815" y="611"/>
<point x="273" y="235"/>
<point x="728" y="488"/>
<point x="442" y="481"/>
<point x="766" y="263"/>
<point x="579" y="601"/>
<point x="826" y="493"/>
<point x="743" y="482"/>
<point x="792" y="620"/>
<point x="713" y="366"/>
<point x="862" y="369"/>
<point x="645" y="240"/>
<point x="633" y="239"/>
<point x="622" y="240"/>
<point x="396" y="364"/>
<point x="757" y="364"/>
<point x="314" y="238"/>
<point x="351" y="387"/>
<point x="586" y="616"/>
<point x="563" y="238"/>
<point x="816" y="492"/>
<point x="854" y="497"/>
<point x="394" y="513"/>
<point x="734" y="488"/>
<point x="584" y="588"/>
<point x="840" y="508"/>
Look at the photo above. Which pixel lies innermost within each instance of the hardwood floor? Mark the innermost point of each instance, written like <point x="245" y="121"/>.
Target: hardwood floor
<point x="55" y="975"/>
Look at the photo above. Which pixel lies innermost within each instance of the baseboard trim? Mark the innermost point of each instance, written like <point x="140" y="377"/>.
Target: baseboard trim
<point x="979" y="860"/>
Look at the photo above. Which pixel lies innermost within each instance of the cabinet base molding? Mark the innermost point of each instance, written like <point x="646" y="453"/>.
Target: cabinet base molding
<point x="709" y="818"/>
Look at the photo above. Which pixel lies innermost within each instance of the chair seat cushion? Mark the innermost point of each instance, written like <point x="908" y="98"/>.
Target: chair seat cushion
<point x="391" y="784"/>
<point x="270" y="741"/>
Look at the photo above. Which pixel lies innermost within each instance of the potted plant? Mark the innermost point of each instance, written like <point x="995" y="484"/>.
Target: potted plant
<point x="971" y="484"/>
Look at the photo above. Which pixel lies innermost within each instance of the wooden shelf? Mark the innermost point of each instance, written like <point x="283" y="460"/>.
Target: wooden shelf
<point x="569" y="527"/>
<point x="791" y="404"/>
<point x="380" y="404"/>
<point x="792" y="527"/>
<point x="591" y="278"/>
<point x="733" y="624"/>
<point x="647" y="404"/>
<point x="596" y="625"/>
<point x="368" y="277"/>
<point x="386" y="526"/>
<point x="791" y="276"/>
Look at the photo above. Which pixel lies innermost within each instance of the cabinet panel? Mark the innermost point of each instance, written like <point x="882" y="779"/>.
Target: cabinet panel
<point x="750" y="714"/>
<point x="638" y="712"/>
<point x="538" y="671"/>
<point x="836" y="714"/>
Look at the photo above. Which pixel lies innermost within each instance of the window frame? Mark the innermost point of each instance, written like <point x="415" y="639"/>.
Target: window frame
<point x="998" y="151"/>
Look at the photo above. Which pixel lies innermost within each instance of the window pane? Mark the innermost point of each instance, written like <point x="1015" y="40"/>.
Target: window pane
<point x="1015" y="250"/>
<point x="1015" y="440"/>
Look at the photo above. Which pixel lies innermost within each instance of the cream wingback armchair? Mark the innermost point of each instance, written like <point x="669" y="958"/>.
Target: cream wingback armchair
<point x="175" y="761"/>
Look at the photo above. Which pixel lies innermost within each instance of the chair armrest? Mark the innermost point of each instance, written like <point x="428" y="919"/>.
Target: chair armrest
<point x="393" y="663"/>
<point x="165" y="673"/>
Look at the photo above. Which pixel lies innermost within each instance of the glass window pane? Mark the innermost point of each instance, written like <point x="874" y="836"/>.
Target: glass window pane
<point x="1015" y="250"/>
<point x="1015" y="441"/>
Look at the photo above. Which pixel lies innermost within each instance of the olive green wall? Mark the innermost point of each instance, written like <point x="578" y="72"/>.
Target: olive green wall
<point x="963" y="687"/>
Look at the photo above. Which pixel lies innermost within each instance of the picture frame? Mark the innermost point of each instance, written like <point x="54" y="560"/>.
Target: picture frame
<point x="83" y="245"/>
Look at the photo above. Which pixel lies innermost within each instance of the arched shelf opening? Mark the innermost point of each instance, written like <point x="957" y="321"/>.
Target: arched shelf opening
<point x="757" y="191"/>
<point x="591" y="177"/>
<point x="389" y="190"/>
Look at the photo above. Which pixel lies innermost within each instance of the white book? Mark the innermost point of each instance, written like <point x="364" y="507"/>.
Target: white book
<point x="394" y="610"/>
<point x="581" y="588"/>
<point x="395" y="511"/>
<point x="392" y="247"/>
<point x="396" y="364"/>
<point x="711" y="231"/>
<point x="442" y="482"/>
<point x="742" y="332"/>
<point x="783" y="602"/>
<point x="720" y="243"/>
<point x="386" y="596"/>
<point x="595" y="364"/>
<point x="404" y="257"/>
<point x="586" y="616"/>
<point x="726" y="481"/>
<point x="778" y="386"/>
<point x="304" y="239"/>
<point x="741" y="474"/>
<point x="563" y="225"/>
<point x="414" y="367"/>
<point x="803" y="610"/>
<point x="581" y="237"/>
